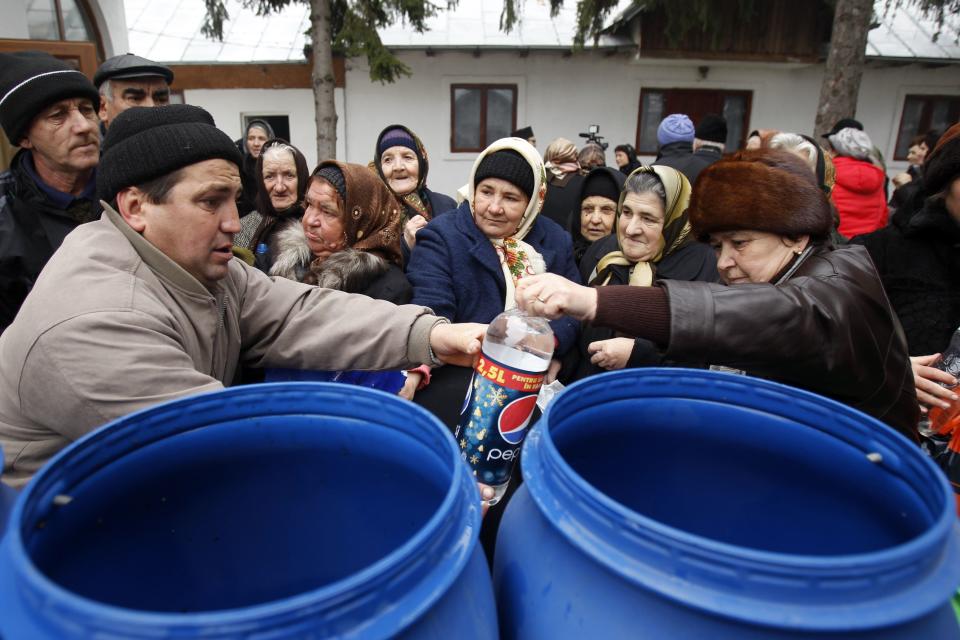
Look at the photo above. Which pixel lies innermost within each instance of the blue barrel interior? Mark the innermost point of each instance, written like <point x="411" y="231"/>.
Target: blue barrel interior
<point x="240" y="513"/>
<point x="739" y="476"/>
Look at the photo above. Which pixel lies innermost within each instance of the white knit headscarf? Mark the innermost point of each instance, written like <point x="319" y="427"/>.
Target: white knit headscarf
<point x="534" y="259"/>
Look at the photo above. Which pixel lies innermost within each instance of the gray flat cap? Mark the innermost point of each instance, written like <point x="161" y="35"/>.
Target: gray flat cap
<point x="130" y="66"/>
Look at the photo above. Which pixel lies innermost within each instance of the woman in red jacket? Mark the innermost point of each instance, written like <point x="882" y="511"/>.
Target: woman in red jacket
<point x="859" y="193"/>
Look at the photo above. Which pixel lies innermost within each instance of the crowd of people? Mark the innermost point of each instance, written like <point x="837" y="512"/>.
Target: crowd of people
<point x="146" y="256"/>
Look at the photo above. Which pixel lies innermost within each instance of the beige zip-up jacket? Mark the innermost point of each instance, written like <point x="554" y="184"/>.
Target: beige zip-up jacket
<point x="113" y="325"/>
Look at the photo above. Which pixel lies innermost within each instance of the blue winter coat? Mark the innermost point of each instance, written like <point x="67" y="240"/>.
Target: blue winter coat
<point x="439" y="203"/>
<point x="455" y="271"/>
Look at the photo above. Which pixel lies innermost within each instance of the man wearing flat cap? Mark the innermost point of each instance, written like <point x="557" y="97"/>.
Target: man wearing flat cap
<point x="146" y="304"/>
<point x="126" y="81"/>
<point x="49" y="110"/>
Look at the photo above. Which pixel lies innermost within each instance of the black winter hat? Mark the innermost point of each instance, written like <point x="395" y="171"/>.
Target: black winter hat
<point x="144" y="143"/>
<point x="128" y="65"/>
<point x="713" y="128"/>
<point x="507" y="165"/>
<point x="30" y="81"/>
<point x="332" y="174"/>
<point x="844" y="123"/>
<point x="523" y="132"/>
<point x="942" y="165"/>
<point x="601" y="182"/>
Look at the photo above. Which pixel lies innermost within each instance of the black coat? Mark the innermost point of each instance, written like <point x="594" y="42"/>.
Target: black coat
<point x="562" y="199"/>
<point x="31" y="229"/>
<point x="681" y="157"/>
<point x="695" y="261"/>
<point x="918" y="259"/>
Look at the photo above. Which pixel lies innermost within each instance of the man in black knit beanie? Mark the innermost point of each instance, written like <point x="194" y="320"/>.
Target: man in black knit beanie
<point x="49" y="110"/>
<point x="147" y="303"/>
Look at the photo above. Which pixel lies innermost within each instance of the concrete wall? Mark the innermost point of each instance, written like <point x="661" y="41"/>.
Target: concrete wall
<point x="14" y="23"/>
<point x="228" y="106"/>
<point x="560" y="96"/>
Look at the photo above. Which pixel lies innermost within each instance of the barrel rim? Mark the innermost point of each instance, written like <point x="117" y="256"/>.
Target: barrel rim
<point x="551" y="481"/>
<point x="440" y="549"/>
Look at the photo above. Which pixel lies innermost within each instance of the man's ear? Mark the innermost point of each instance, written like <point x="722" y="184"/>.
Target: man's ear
<point x="102" y="111"/>
<point x="130" y="205"/>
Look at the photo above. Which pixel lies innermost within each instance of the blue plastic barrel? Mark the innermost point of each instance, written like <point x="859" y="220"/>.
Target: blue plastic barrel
<point x="296" y="510"/>
<point x="7" y="497"/>
<point x="674" y="503"/>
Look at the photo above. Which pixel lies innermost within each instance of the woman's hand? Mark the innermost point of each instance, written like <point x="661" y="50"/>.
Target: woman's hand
<point x="457" y="343"/>
<point x="611" y="354"/>
<point x="410" y="229"/>
<point x="410" y="385"/>
<point x="901" y="179"/>
<point x="553" y="296"/>
<point x="552" y="371"/>
<point x="486" y="495"/>
<point x="926" y="379"/>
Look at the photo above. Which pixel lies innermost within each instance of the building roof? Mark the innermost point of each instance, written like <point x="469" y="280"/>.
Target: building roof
<point x="170" y="31"/>
<point x="906" y="33"/>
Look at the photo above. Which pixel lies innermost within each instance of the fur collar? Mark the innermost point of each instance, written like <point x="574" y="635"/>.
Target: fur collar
<point x="348" y="270"/>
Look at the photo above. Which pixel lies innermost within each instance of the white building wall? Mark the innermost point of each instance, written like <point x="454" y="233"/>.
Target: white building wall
<point x="560" y="96"/>
<point x="112" y="21"/>
<point x="228" y="106"/>
<point x="14" y="23"/>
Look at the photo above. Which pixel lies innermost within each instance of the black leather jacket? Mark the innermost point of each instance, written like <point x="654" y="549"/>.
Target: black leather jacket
<point x="826" y="326"/>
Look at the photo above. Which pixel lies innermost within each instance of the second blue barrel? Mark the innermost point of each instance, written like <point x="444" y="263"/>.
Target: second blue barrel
<point x="694" y="504"/>
<point x="300" y="510"/>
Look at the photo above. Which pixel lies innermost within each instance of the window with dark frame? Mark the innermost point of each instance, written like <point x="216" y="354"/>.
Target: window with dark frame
<point x="656" y="104"/>
<point x="922" y="114"/>
<point x="480" y="114"/>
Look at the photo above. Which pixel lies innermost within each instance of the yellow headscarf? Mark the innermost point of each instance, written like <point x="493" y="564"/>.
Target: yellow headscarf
<point x="676" y="228"/>
<point x="517" y="258"/>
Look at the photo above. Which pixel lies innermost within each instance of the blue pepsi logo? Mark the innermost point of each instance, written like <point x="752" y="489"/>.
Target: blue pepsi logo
<point x="515" y="417"/>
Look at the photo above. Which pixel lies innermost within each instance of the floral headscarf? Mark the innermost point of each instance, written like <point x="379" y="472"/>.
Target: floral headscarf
<point x="517" y="258"/>
<point x="676" y="228"/>
<point x="371" y="213"/>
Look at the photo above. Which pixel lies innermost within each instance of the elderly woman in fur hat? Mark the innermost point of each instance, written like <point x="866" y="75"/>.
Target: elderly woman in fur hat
<point x="349" y="237"/>
<point x="467" y="264"/>
<point x="791" y="309"/>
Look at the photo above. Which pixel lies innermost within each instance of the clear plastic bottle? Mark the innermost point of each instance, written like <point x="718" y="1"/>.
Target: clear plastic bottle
<point x="502" y="396"/>
<point x="944" y="422"/>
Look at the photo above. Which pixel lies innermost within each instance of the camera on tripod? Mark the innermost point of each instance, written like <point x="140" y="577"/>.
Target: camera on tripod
<point x="593" y="135"/>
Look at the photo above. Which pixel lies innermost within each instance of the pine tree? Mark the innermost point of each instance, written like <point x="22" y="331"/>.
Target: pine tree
<point x="343" y="27"/>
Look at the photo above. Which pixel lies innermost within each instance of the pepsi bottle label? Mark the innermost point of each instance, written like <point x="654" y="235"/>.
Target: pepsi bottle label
<point x="495" y="417"/>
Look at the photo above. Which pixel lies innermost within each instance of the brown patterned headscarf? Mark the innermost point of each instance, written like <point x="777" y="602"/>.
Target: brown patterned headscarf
<point x="370" y="212"/>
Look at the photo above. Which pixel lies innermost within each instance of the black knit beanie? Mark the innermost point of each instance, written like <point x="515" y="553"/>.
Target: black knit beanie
<point x="30" y="81"/>
<point x="332" y="174"/>
<point x="599" y="182"/>
<point x="144" y="143"/>
<point x="713" y="128"/>
<point x="507" y="165"/>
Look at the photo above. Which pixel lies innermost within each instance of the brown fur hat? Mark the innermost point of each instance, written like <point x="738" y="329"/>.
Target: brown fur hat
<point x="761" y="190"/>
<point x="942" y="166"/>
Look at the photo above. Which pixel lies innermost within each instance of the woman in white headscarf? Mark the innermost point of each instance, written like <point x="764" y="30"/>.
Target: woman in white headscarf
<point x="466" y="264"/>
